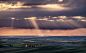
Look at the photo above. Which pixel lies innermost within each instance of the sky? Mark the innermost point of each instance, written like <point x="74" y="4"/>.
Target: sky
<point x="42" y="17"/>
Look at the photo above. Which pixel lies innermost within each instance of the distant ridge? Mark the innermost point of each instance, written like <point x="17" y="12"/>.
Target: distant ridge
<point x="37" y="36"/>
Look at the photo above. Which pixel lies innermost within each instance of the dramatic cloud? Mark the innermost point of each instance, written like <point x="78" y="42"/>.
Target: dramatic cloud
<point x="5" y="6"/>
<point x="60" y="4"/>
<point x="58" y="7"/>
<point x="43" y="17"/>
<point x="71" y="3"/>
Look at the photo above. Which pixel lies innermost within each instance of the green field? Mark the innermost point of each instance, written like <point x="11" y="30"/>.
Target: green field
<point x="41" y="45"/>
<point x="45" y="49"/>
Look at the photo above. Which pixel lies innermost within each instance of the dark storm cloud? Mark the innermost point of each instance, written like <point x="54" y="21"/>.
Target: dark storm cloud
<point x="77" y="9"/>
<point x="36" y="12"/>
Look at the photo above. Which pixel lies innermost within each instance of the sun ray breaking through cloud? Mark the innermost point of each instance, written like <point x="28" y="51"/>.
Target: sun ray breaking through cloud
<point x="32" y="19"/>
<point x="42" y="17"/>
<point x="12" y="22"/>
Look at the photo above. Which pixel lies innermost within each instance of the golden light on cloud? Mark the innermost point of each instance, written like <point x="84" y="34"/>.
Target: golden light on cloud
<point x="78" y="17"/>
<point x="50" y="6"/>
<point x="53" y="7"/>
<point x="55" y="17"/>
<point x="60" y="0"/>
<point x="43" y="19"/>
<point x="62" y="17"/>
<point x="13" y="18"/>
<point x="5" y="6"/>
<point x="19" y="4"/>
<point x="50" y="20"/>
<point x="83" y="20"/>
<point x="30" y="18"/>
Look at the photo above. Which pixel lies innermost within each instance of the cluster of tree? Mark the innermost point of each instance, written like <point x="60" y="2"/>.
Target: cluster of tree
<point x="30" y="45"/>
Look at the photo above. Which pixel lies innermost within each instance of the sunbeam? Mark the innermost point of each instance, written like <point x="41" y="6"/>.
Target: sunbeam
<point x="12" y="22"/>
<point x="32" y="19"/>
<point x="36" y="27"/>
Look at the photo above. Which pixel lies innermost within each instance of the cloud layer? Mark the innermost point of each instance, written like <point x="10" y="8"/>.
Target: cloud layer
<point x="10" y="31"/>
<point x="43" y="3"/>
